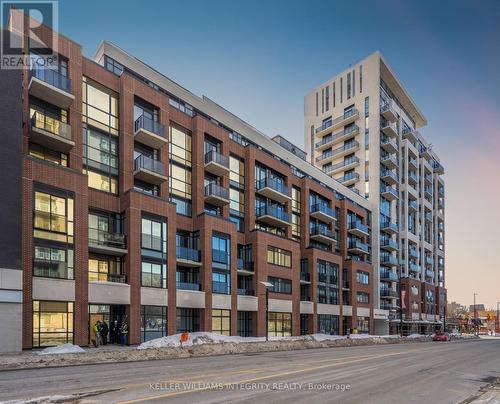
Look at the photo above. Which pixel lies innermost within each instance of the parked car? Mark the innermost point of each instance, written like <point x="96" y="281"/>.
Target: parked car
<point x="441" y="336"/>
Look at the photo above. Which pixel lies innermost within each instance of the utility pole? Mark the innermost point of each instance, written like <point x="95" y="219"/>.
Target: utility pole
<point x="475" y="316"/>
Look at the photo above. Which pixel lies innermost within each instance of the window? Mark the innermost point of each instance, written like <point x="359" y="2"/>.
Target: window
<point x="327" y="98"/>
<point x="221" y="250"/>
<point x="296" y="203"/>
<point x="154" y="235"/>
<point x="362" y="277"/>
<point x="362" y="297"/>
<point x="188" y="320"/>
<point x="52" y="323"/>
<point x="327" y="277"/>
<point x="180" y="169"/>
<point x="106" y="269"/>
<point x="363" y="325"/>
<point x="100" y="107"/>
<point x="53" y="217"/>
<point x="280" y="285"/>
<point x="277" y="256"/>
<point x="361" y="78"/>
<point x="106" y="229"/>
<point x="328" y="324"/>
<point x="153" y="322"/>
<point x="367" y="109"/>
<point x="245" y="324"/>
<point x="348" y="85"/>
<point x="180" y="145"/>
<point x="100" y="160"/>
<point x="53" y="263"/>
<point x="221" y="321"/>
<point x="221" y="283"/>
<point x="113" y="66"/>
<point x="154" y="275"/>
<point x="45" y="154"/>
<point x="279" y="324"/>
<point x="295" y="225"/>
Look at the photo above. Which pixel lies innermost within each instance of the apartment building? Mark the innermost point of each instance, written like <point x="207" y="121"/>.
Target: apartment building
<point x="139" y="201"/>
<point x="362" y="129"/>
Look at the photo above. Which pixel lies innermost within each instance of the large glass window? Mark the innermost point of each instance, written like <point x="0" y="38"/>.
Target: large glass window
<point x="153" y="322"/>
<point x="221" y="321"/>
<point x="237" y="172"/>
<point x="53" y="263"/>
<point x="53" y="217"/>
<point x="279" y="324"/>
<point x="280" y="285"/>
<point x="245" y="324"/>
<point x="327" y="276"/>
<point x="363" y="277"/>
<point x="221" y="282"/>
<point x="45" y="154"/>
<point x="188" y="320"/>
<point x="52" y="323"/>
<point x="180" y="169"/>
<point x="278" y="256"/>
<point x="153" y="275"/>
<point x="106" y="268"/>
<point x="153" y="235"/>
<point x="328" y="324"/>
<point x="100" y="106"/>
<point x="180" y="145"/>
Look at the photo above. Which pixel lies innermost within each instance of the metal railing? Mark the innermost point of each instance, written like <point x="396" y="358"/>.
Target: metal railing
<point x="322" y="231"/>
<point x="188" y="254"/>
<point x="346" y="147"/>
<point x="213" y="156"/>
<point x="150" y="164"/>
<point x="272" y="183"/>
<point x="344" y="132"/>
<point x="144" y="122"/>
<point x="321" y="207"/>
<point x="244" y="265"/>
<point x="274" y="211"/>
<point x="52" y="125"/>
<point x="108" y="239"/>
<point x="214" y="189"/>
<point x="358" y="245"/>
<point x="335" y="121"/>
<point x="188" y="286"/>
<point x="52" y="77"/>
<point x="357" y="225"/>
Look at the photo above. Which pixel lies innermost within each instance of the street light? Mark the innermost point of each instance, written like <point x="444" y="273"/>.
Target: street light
<point x="267" y="285"/>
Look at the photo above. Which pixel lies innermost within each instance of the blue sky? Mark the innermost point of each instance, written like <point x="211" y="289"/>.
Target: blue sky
<point x="259" y="58"/>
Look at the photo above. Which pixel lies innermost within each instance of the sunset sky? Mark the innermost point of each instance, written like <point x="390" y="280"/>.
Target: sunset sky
<point x="259" y="58"/>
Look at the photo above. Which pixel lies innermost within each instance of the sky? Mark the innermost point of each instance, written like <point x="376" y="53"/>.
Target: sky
<point x="259" y="58"/>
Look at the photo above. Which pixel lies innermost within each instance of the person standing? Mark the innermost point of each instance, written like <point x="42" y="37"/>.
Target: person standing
<point x="114" y="332"/>
<point x="123" y="332"/>
<point x="97" y="333"/>
<point x="104" y="333"/>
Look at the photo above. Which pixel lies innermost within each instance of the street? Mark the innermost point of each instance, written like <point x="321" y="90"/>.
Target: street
<point x="448" y="372"/>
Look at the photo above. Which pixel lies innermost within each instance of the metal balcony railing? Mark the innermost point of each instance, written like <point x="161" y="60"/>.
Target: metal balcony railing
<point x="52" y="77"/>
<point x="51" y="125"/>
<point x="144" y="122"/>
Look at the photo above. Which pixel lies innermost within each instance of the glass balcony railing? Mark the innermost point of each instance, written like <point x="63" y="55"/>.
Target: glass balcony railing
<point x="274" y="211"/>
<point x="322" y="208"/>
<point x="274" y="184"/>
<point x="245" y="292"/>
<point x="388" y="292"/>
<point x="413" y="205"/>
<point x="52" y="77"/>
<point x="346" y="131"/>
<point x="220" y="287"/>
<point x="188" y="254"/>
<point x="389" y="243"/>
<point x="106" y="277"/>
<point x="329" y="123"/>
<point x="333" y="153"/>
<point x="358" y="245"/>
<point x="414" y="253"/>
<point x="413" y="267"/>
<point x="357" y="225"/>
<point x="389" y="173"/>
<point x="107" y="239"/>
<point x="143" y="122"/>
<point x="345" y="163"/>
<point x="389" y="226"/>
<point x="188" y="286"/>
<point x="220" y="256"/>
<point x="305" y="276"/>
<point x="150" y="164"/>
<point x="244" y="265"/>
<point x="216" y="190"/>
<point x="51" y="125"/>
<point x="388" y="259"/>
<point x="322" y="231"/>
<point x="213" y="156"/>
<point x="389" y="276"/>
<point x="348" y="177"/>
<point x="390" y="190"/>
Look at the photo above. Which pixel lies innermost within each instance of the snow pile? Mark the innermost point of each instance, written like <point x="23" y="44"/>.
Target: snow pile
<point x="326" y="337"/>
<point x="416" y="336"/>
<point x="61" y="349"/>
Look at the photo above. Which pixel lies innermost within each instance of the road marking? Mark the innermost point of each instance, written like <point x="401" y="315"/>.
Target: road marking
<point x="176" y="393"/>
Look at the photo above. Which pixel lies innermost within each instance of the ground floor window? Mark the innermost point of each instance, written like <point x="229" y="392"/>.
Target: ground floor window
<point x="153" y="322"/>
<point x="363" y="325"/>
<point x="188" y="320"/>
<point x="304" y="324"/>
<point x="328" y="324"/>
<point x="52" y="323"/>
<point x="245" y="323"/>
<point x="279" y="324"/>
<point x="111" y="316"/>
<point x="221" y="321"/>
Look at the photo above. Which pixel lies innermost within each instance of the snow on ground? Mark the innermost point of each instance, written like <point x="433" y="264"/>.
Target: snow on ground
<point x="61" y="349"/>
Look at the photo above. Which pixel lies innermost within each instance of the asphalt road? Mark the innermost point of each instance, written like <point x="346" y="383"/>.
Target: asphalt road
<point x="448" y="372"/>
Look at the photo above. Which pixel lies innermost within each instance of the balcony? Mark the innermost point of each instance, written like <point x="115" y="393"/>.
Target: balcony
<point x="149" y="170"/>
<point x="414" y="253"/>
<point x="103" y="242"/>
<point x="425" y="152"/>
<point x="348" y="179"/>
<point x="414" y="267"/>
<point x="107" y="277"/>
<point x="188" y="257"/>
<point x="220" y="287"/>
<point x="390" y="129"/>
<point x="429" y="273"/>
<point x="429" y="260"/>
<point x="410" y="135"/>
<point x="358" y="247"/>
<point x="305" y="277"/>
<point x="389" y="161"/>
<point x="389" y="193"/>
<point x="412" y="206"/>
<point x="245" y="292"/>
<point x="412" y="179"/>
<point x="437" y="167"/>
<point x="390" y="146"/>
<point x="357" y="228"/>
<point x="388" y="260"/>
<point x="51" y="86"/>
<point x="51" y="133"/>
<point x="388" y="276"/>
<point x="244" y="267"/>
<point x="273" y="189"/>
<point x="344" y="134"/>
<point x="216" y="163"/>
<point x="187" y="286"/>
<point x="322" y="212"/>
<point x="389" y="245"/>
<point x="389" y="177"/>
<point x="273" y="215"/>
<point x="428" y="192"/>
<point x="387" y="306"/>
<point x="216" y="195"/>
<point x="348" y="148"/>
<point x="388" y="112"/>
<point x="322" y="234"/>
<point x="388" y="293"/>
<point x="428" y="216"/>
<point x="441" y="191"/>
<point x="149" y="132"/>
<point x="347" y="164"/>
<point x="412" y="163"/>
<point x="343" y="120"/>
<point x="428" y="179"/>
<point x="389" y="227"/>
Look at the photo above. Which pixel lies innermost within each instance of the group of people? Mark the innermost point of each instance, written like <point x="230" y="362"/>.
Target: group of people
<point x="116" y="334"/>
